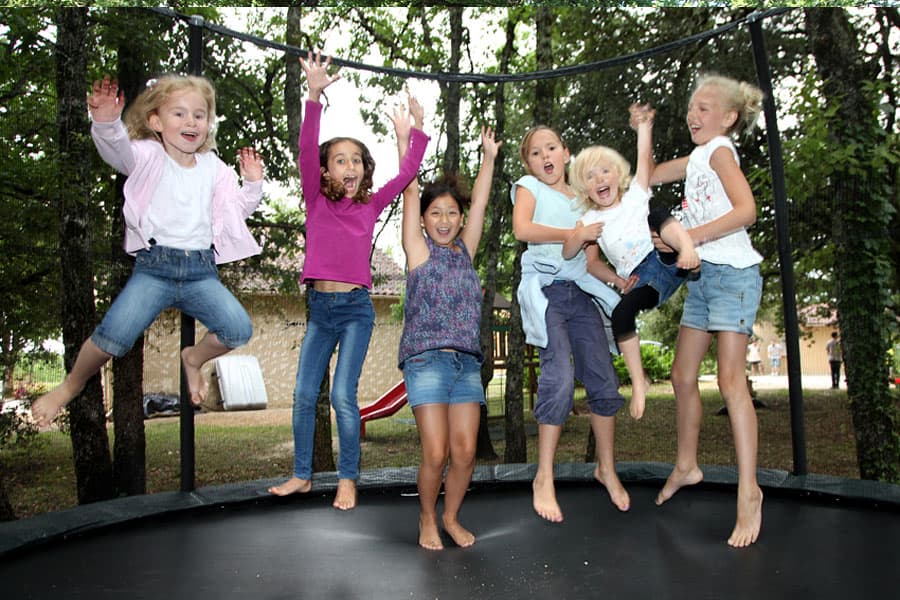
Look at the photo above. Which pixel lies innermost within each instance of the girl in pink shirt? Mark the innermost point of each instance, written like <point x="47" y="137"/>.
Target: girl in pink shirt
<point x="341" y="212"/>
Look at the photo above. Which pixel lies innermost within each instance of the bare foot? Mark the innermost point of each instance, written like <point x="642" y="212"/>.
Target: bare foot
<point x="429" y="538"/>
<point x="462" y="536"/>
<point x="45" y="408"/>
<point x="749" y="519"/>
<point x="345" y="499"/>
<point x="544" y="499"/>
<point x="638" y="399"/>
<point x="677" y="480"/>
<point x="617" y="492"/>
<point x="197" y="384"/>
<point x="294" y="485"/>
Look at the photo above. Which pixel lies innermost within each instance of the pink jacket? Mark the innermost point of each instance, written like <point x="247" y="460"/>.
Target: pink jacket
<point x="142" y="161"/>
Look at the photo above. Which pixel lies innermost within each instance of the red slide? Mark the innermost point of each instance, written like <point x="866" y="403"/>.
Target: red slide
<point x="389" y="403"/>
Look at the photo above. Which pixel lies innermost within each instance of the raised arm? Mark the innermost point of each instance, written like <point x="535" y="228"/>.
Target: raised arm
<point x="481" y="191"/>
<point x="412" y="237"/>
<point x="105" y="102"/>
<point x="404" y="121"/>
<point x="641" y="120"/>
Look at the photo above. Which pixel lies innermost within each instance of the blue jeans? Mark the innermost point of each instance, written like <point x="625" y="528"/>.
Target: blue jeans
<point x="576" y="349"/>
<point x="336" y="319"/>
<point x="170" y="278"/>
<point x="663" y="278"/>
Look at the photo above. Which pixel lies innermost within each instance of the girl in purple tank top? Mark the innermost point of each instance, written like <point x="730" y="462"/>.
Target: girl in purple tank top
<point x="440" y="353"/>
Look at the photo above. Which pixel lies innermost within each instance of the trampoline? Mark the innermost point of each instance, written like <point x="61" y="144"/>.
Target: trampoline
<point x="236" y="541"/>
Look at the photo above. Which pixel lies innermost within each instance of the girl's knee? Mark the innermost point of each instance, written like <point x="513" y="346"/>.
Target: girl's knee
<point x="681" y="378"/>
<point x="462" y="452"/>
<point x="435" y="458"/>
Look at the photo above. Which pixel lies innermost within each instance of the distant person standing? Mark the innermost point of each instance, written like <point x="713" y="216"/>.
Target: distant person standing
<point x="833" y="348"/>
<point x="754" y="357"/>
<point x="775" y="351"/>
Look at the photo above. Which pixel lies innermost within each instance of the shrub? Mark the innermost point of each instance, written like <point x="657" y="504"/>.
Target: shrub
<point x="657" y="361"/>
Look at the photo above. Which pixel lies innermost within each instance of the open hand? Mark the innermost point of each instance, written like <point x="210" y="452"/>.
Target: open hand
<point x="251" y="164"/>
<point x="640" y="114"/>
<point x="106" y="100"/>
<point x="489" y="145"/>
<point x="317" y="76"/>
<point x="417" y="112"/>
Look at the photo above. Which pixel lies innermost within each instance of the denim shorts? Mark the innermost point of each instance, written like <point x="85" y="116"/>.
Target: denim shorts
<point x="663" y="278"/>
<point x="723" y="299"/>
<point x="442" y="377"/>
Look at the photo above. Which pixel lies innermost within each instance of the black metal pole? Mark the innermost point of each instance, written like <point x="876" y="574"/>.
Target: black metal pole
<point x="186" y="407"/>
<point x="789" y="301"/>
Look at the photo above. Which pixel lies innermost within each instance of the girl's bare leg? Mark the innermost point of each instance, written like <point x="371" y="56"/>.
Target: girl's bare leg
<point x="193" y="358"/>
<point x="464" y="419"/>
<point x="605" y="472"/>
<point x="543" y="488"/>
<point x="87" y="364"/>
<point x="432" y="423"/>
<point x="631" y="351"/>
<point x="690" y="349"/>
<point x="733" y="387"/>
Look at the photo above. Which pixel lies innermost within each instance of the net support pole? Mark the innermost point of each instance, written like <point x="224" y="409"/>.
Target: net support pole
<point x="186" y="407"/>
<point x="791" y="326"/>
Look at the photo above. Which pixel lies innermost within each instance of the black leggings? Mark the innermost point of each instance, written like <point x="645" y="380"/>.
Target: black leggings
<point x="626" y="311"/>
<point x="645" y="297"/>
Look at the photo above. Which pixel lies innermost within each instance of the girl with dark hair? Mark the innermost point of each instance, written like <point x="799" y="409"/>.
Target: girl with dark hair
<point x="341" y="212"/>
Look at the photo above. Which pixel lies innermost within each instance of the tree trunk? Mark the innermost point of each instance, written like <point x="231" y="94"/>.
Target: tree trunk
<point x="129" y="446"/>
<point x="860" y="212"/>
<point x="293" y="102"/>
<point x="513" y="421"/>
<point x="484" y="449"/>
<point x="90" y="443"/>
<point x="544" y="89"/>
<point x="451" y="93"/>
<point x="514" y="424"/>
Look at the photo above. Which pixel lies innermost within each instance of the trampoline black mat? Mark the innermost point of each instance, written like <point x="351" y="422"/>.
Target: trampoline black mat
<point x="301" y="547"/>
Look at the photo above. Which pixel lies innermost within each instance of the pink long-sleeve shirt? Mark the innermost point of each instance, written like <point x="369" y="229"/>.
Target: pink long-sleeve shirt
<point x="143" y="161"/>
<point x="339" y="232"/>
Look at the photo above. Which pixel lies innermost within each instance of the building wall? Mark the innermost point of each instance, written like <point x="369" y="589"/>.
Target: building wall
<point x="279" y="324"/>
<point x="813" y="337"/>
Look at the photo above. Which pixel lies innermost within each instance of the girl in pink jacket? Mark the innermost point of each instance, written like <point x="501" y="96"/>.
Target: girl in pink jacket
<point x="184" y="213"/>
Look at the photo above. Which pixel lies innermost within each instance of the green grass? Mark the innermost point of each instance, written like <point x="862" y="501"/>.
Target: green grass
<point x="40" y="478"/>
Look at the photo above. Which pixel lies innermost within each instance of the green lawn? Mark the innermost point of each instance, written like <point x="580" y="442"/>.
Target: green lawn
<point x="40" y="478"/>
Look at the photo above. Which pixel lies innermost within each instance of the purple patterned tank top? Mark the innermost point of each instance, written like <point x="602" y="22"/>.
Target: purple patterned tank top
<point x="443" y="304"/>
